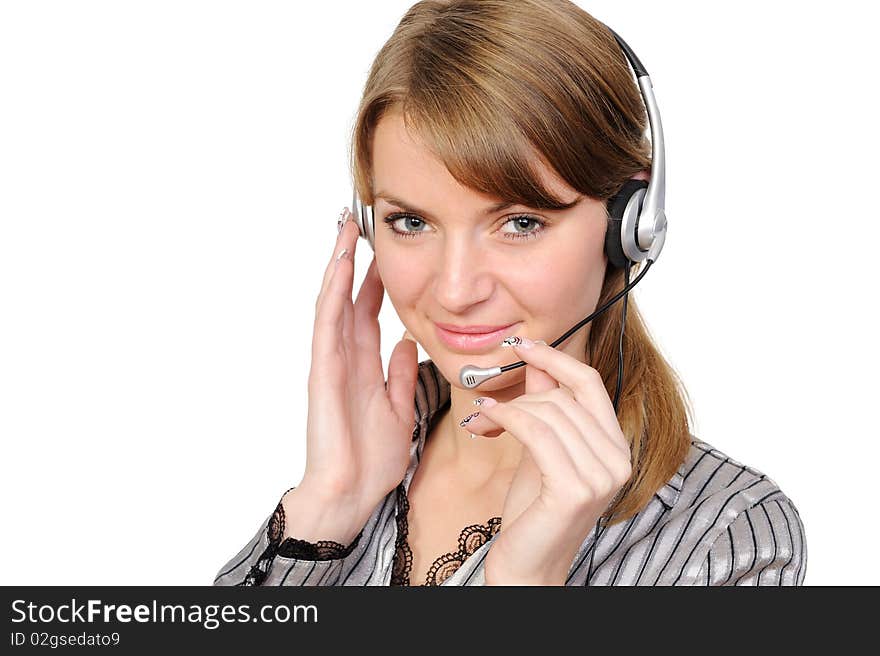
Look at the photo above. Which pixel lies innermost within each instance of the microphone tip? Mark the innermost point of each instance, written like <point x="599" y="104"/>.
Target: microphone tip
<point x="471" y="376"/>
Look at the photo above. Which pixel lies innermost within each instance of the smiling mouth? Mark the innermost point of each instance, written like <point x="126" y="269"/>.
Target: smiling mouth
<point x="473" y="341"/>
<point x="473" y="330"/>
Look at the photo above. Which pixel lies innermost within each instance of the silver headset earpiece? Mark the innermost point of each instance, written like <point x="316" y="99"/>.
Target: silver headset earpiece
<point x="643" y="228"/>
<point x="643" y="224"/>
<point x="363" y="216"/>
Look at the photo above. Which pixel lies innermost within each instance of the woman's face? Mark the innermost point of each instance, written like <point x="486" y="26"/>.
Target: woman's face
<point x="459" y="261"/>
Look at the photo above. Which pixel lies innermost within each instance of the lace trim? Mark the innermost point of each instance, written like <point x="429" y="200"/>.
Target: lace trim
<point x="471" y="538"/>
<point x="292" y="548"/>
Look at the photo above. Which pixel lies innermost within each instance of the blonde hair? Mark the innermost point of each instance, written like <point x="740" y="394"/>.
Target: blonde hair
<point x="488" y="85"/>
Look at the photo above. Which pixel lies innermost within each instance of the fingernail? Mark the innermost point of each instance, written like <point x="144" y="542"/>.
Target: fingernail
<point x="342" y="253"/>
<point x="485" y="401"/>
<point x="521" y="342"/>
<point x="464" y="422"/>
<point x="344" y="216"/>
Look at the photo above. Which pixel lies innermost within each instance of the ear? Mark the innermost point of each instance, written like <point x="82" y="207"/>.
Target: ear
<point x="643" y="175"/>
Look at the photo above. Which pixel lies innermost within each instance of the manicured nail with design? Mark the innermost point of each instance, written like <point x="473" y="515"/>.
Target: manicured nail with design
<point x="521" y="342"/>
<point x="344" y="216"/>
<point x="342" y="253"/>
<point x="464" y="422"/>
<point x="485" y="401"/>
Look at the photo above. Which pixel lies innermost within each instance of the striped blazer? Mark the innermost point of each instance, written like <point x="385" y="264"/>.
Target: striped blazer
<point x="715" y="522"/>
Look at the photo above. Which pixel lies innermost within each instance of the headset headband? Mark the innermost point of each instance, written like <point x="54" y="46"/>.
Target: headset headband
<point x="651" y="223"/>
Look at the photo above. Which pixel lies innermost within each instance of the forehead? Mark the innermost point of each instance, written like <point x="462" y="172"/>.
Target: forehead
<point x="403" y="164"/>
<point x="401" y="161"/>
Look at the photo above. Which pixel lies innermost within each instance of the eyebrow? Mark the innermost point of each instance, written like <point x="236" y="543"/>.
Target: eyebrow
<point x="492" y="209"/>
<point x="409" y="207"/>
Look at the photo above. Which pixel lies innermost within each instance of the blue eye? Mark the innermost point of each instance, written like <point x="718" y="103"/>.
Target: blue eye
<point x="406" y="218"/>
<point x="518" y="221"/>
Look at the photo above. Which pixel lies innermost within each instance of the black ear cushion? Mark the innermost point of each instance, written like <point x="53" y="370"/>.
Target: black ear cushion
<point x="616" y="205"/>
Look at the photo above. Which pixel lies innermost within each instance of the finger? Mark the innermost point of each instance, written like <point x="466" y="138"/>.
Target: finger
<point x="599" y="468"/>
<point x="586" y="422"/>
<point x="342" y="241"/>
<point x="569" y="425"/>
<point x="540" y="438"/>
<point x="578" y="416"/>
<point x="479" y="423"/>
<point x="330" y="316"/>
<point x="584" y="381"/>
<point x="371" y="292"/>
<point x="538" y="380"/>
<point x="347" y="328"/>
<point x="365" y="344"/>
<point x="603" y="461"/>
<point x="403" y="370"/>
<point x="366" y="309"/>
<point x="569" y="433"/>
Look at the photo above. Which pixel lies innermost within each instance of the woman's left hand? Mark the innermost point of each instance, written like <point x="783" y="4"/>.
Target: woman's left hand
<point x="575" y="459"/>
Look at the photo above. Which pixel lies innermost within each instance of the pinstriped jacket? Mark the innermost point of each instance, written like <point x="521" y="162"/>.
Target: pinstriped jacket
<point x="715" y="522"/>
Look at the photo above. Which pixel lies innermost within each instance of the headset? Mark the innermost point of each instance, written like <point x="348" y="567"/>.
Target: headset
<point x="635" y="232"/>
<point x="636" y="229"/>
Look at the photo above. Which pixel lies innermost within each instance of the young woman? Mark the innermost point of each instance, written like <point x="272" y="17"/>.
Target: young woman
<point x="493" y="142"/>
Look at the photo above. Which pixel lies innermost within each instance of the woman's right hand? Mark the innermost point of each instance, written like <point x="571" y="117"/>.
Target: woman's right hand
<point x="359" y="433"/>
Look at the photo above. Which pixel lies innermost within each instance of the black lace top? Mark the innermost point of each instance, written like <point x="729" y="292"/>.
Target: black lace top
<point x="292" y="548"/>
<point x="471" y="538"/>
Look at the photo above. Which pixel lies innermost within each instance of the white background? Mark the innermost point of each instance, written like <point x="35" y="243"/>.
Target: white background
<point x="170" y="178"/>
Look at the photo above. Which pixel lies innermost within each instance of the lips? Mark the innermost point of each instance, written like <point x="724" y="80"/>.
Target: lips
<point x="479" y="338"/>
<point x="471" y="330"/>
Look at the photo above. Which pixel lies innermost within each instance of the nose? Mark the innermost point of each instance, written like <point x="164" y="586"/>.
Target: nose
<point x="463" y="278"/>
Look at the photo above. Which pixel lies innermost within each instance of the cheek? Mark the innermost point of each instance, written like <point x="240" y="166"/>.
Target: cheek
<point x="401" y="286"/>
<point x="569" y="274"/>
<point x="558" y="286"/>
